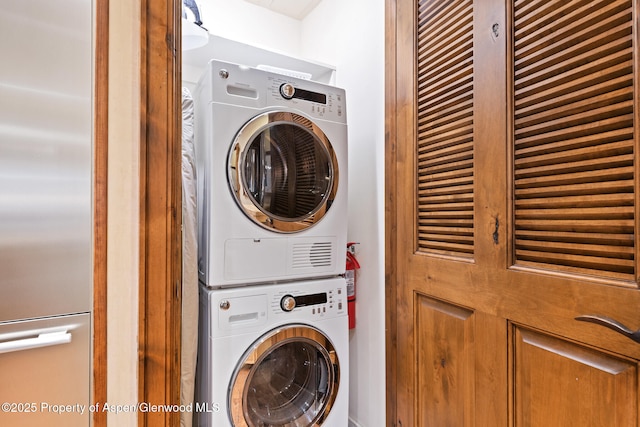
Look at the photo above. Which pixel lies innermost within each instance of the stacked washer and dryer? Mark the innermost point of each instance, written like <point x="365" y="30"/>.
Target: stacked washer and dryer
<point x="271" y="156"/>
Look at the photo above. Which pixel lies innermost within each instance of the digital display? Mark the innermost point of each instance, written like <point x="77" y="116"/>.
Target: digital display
<point x="307" y="95"/>
<point x="311" y="299"/>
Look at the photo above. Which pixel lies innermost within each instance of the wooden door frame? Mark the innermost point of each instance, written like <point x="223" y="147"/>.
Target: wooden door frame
<point x="391" y="206"/>
<point x="101" y="137"/>
<point x="160" y="210"/>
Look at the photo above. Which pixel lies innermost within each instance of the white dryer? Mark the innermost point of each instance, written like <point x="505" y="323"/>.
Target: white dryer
<point x="272" y="177"/>
<point x="273" y="355"/>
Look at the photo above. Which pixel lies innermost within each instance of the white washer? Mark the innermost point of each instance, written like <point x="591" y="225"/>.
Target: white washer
<point x="273" y="355"/>
<point x="272" y="177"/>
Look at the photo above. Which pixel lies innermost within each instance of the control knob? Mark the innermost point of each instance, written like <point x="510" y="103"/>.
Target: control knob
<point x="288" y="303"/>
<point x="287" y="90"/>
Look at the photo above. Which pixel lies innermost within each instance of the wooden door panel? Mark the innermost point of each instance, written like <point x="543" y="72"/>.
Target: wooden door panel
<point x="560" y="383"/>
<point x="444" y="128"/>
<point x="459" y="377"/>
<point x="513" y="201"/>
<point x="552" y="303"/>
<point x="574" y="137"/>
<point x="445" y="363"/>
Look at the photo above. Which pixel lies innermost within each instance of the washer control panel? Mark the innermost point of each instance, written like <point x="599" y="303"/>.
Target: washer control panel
<point x="329" y="302"/>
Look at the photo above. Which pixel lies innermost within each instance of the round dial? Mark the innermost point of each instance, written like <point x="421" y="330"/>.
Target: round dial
<point x="287" y="90"/>
<point x="288" y="303"/>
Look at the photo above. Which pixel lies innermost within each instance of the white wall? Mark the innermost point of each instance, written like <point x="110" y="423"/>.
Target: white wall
<point x="348" y="34"/>
<point x="248" y="23"/>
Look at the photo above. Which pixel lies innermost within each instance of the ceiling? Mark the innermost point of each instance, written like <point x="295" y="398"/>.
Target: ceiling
<point x="296" y="9"/>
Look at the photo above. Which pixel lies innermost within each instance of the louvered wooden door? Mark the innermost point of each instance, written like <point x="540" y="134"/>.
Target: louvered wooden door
<point x="514" y="179"/>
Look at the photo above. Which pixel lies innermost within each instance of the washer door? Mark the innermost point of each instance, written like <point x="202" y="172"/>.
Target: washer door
<point x="288" y="378"/>
<point x="283" y="171"/>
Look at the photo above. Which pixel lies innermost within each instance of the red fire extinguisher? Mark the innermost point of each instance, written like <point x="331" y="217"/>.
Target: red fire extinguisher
<point x="350" y="275"/>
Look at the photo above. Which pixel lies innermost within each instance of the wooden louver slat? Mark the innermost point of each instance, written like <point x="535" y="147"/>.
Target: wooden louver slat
<point x="444" y="161"/>
<point x="574" y="159"/>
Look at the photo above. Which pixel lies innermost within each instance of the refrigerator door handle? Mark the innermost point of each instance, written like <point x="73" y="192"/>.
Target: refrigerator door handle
<point x="42" y="340"/>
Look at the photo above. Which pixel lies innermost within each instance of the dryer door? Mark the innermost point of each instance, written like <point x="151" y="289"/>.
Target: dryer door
<point x="289" y="378"/>
<point x="283" y="171"/>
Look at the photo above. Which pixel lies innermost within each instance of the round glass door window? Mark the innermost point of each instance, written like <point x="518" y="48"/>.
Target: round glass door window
<point x="289" y="378"/>
<point x="283" y="171"/>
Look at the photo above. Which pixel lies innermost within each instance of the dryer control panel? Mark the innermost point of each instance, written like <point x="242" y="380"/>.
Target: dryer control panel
<point x="240" y="85"/>
<point x="316" y="100"/>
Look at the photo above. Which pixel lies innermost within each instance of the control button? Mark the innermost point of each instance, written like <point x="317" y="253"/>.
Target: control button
<point x="340" y="306"/>
<point x="224" y="305"/>
<point x="288" y="303"/>
<point x="287" y="90"/>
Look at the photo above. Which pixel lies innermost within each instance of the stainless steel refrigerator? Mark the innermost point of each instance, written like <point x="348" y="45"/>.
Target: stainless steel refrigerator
<point x="45" y="212"/>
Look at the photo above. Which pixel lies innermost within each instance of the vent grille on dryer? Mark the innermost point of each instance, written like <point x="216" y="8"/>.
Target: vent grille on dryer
<point x="312" y="255"/>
